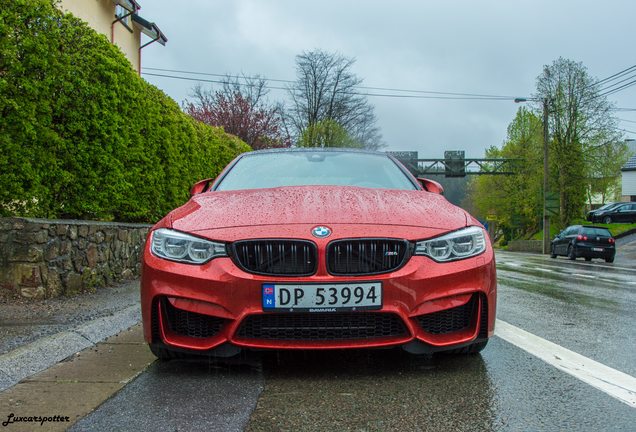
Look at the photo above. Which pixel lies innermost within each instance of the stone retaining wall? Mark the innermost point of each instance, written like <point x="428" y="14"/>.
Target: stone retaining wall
<point x="535" y="246"/>
<point x="41" y="258"/>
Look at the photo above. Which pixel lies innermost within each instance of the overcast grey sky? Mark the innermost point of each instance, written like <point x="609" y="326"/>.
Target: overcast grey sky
<point x="492" y="47"/>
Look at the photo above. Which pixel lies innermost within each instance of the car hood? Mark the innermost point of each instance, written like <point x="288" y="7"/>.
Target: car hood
<point x="320" y="205"/>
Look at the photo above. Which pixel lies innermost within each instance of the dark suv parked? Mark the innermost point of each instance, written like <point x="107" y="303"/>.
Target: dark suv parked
<point x="592" y="215"/>
<point x="584" y="241"/>
<point x="622" y="212"/>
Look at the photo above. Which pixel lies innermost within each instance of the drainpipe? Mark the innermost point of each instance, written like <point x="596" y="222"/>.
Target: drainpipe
<point x="145" y="45"/>
<point x="112" y="26"/>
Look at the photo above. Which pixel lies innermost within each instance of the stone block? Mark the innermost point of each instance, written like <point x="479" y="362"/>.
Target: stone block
<point x="99" y="237"/>
<point x="32" y="237"/>
<point x="18" y="224"/>
<point x="109" y="235"/>
<point x="72" y="232"/>
<point x="91" y="279"/>
<point x="26" y="253"/>
<point x="122" y="234"/>
<point x="91" y="255"/>
<point x="33" y="292"/>
<point x="31" y="227"/>
<point x="52" y="250"/>
<point x="65" y="247"/>
<point x="72" y="284"/>
<point x="61" y="230"/>
<point x="82" y="231"/>
<point x="53" y="284"/>
<point x="65" y="263"/>
<point x="82" y="243"/>
<point x="26" y="279"/>
<point x="127" y="274"/>
<point x="78" y="262"/>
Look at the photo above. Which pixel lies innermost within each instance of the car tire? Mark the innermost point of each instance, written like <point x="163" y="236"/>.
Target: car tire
<point x="571" y="254"/>
<point x="588" y="259"/>
<point x="470" y="349"/>
<point x="609" y="259"/>
<point x="165" y="354"/>
<point x="607" y="220"/>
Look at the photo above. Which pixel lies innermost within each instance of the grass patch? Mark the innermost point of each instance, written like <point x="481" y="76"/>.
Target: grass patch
<point x="614" y="228"/>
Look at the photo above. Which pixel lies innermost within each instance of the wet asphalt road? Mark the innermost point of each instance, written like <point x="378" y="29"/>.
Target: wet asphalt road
<point x="586" y="307"/>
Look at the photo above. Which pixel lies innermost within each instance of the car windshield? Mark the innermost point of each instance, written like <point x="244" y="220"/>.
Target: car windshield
<point x="596" y="232"/>
<point x="302" y="168"/>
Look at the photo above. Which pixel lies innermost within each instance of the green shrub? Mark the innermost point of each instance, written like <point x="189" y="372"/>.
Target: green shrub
<point x="82" y="135"/>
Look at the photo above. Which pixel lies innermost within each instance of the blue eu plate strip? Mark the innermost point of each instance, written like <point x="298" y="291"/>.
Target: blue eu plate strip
<point x="269" y="299"/>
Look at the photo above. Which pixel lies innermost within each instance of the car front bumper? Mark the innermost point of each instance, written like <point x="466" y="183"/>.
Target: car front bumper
<point x="201" y="308"/>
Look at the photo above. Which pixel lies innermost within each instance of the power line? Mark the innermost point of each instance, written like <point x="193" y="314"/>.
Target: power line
<point x="623" y="87"/>
<point x="389" y="95"/>
<point x="617" y="83"/>
<point x="256" y="77"/>
<point x="616" y="75"/>
<point x="625" y="120"/>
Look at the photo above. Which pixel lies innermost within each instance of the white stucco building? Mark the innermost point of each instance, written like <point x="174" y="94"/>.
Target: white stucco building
<point x="629" y="180"/>
<point x="120" y="22"/>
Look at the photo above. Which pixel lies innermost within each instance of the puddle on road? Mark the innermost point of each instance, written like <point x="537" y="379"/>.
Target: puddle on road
<point x="562" y="293"/>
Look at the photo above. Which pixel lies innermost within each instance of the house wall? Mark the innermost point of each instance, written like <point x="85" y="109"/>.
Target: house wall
<point x="629" y="185"/>
<point x="100" y="14"/>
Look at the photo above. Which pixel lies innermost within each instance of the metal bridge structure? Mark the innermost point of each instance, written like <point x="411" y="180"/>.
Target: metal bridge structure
<point x="455" y="164"/>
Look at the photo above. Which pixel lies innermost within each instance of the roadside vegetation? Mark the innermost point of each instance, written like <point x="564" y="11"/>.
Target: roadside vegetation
<point x="586" y="152"/>
<point x="82" y="135"/>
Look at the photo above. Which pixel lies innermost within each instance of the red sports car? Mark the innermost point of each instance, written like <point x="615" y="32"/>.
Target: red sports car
<point x="317" y="249"/>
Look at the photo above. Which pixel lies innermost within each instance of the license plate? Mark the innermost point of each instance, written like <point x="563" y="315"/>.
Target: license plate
<point x="597" y="249"/>
<point x="322" y="297"/>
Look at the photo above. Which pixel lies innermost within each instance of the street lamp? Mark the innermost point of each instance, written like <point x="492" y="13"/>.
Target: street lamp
<point x="546" y="217"/>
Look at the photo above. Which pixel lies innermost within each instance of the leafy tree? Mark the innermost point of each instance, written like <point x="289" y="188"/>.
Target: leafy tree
<point x="240" y="108"/>
<point x="581" y="124"/>
<point x="515" y="200"/>
<point x="327" y="133"/>
<point x="326" y="89"/>
<point x="604" y="167"/>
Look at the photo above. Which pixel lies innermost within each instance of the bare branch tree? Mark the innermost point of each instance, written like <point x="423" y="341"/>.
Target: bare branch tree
<point x="326" y="89"/>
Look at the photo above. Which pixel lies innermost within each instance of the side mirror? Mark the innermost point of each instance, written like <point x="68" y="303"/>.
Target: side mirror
<point x="431" y="185"/>
<point x="200" y="186"/>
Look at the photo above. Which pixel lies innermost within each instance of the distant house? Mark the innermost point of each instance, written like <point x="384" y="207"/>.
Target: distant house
<point x="629" y="180"/>
<point x="119" y="20"/>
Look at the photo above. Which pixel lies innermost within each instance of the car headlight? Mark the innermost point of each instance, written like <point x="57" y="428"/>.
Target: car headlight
<point x="177" y="246"/>
<point x="464" y="243"/>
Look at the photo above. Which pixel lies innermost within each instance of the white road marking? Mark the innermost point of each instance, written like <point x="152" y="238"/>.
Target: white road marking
<point x="611" y="381"/>
<point x="584" y="275"/>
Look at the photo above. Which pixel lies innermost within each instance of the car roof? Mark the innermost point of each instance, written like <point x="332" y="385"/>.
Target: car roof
<point x="587" y="226"/>
<point x="314" y="150"/>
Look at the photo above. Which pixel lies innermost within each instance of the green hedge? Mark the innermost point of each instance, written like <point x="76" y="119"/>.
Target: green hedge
<point x="82" y="135"/>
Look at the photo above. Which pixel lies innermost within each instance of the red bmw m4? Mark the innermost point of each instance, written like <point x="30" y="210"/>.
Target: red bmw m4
<point x="317" y="249"/>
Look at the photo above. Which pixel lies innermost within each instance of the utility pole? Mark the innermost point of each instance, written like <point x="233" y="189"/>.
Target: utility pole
<point x="546" y="217"/>
<point x="546" y="170"/>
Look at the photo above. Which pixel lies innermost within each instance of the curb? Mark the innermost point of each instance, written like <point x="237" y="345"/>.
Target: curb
<point x="41" y="354"/>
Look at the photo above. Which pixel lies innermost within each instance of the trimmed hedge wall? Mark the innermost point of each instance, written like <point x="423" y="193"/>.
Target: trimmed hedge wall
<point x="82" y="135"/>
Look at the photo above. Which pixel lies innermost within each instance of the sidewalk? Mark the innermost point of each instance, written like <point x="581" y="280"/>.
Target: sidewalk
<point x="35" y="335"/>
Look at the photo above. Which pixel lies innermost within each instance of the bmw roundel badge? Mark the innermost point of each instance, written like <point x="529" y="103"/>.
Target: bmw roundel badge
<point x="321" y="232"/>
